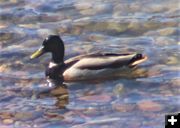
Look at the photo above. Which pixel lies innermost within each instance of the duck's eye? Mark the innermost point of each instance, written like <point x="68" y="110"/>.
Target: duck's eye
<point x="45" y="41"/>
<point x="139" y="56"/>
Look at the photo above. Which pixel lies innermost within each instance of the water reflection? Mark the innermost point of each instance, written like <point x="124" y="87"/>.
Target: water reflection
<point x="143" y="98"/>
<point x="60" y="89"/>
<point x="60" y="92"/>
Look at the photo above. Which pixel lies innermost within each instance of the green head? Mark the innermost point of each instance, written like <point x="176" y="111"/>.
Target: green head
<point x="54" y="45"/>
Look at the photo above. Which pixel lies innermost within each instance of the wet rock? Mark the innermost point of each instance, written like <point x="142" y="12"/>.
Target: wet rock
<point x="151" y="33"/>
<point x="135" y="7"/>
<point x="175" y="83"/>
<point x="65" y="26"/>
<point x="14" y="1"/>
<point x="120" y="10"/>
<point x="26" y="116"/>
<point x="31" y="43"/>
<point x="52" y="17"/>
<point x="3" y="25"/>
<point x="28" y="18"/>
<point x="117" y="27"/>
<point x="163" y="41"/>
<point x="83" y="5"/>
<point x="23" y="116"/>
<point x="92" y="9"/>
<point x="96" y="98"/>
<point x="29" y="26"/>
<point x="119" y="89"/>
<point x="93" y="111"/>
<point x="170" y="23"/>
<point x="97" y="26"/>
<point x="154" y="8"/>
<point x="8" y="121"/>
<point x="40" y="121"/>
<point x="53" y="116"/>
<point x="151" y="25"/>
<point x="103" y="8"/>
<point x="155" y="70"/>
<point x="97" y="38"/>
<point x="149" y="106"/>
<point x="163" y="32"/>
<point x="5" y="115"/>
<point x="82" y="21"/>
<point x="20" y="124"/>
<point x="172" y="60"/>
<point x="6" y="36"/>
<point x="168" y="31"/>
<point x="77" y="30"/>
<point x="88" y="12"/>
<point x="4" y="68"/>
<point x="123" y="107"/>
<point x="136" y="27"/>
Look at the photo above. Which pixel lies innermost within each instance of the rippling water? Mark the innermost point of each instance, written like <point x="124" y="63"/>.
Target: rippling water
<point x="26" y="100"/>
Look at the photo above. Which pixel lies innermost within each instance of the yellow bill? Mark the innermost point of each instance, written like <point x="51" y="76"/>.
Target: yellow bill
<point x="37" y="53"/>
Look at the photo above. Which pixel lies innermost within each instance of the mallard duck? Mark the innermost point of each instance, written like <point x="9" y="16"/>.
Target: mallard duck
<point x="89" y="66"/>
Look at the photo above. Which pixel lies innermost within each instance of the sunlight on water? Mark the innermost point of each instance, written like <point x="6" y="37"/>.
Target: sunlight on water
<point x="143" y="98"/>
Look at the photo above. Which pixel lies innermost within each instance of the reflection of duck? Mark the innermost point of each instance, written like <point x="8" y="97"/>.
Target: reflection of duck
<point x="84" y="67"/>
<point x="60" y="92"/>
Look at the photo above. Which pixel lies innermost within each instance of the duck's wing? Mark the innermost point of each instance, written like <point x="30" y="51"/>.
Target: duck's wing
<point x="97" y="61"/>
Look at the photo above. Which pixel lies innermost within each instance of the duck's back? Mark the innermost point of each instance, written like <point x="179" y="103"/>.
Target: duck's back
<point x="97" y="65"/>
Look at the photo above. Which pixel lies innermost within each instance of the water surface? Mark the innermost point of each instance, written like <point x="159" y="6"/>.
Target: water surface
<point x="26" y="99"/>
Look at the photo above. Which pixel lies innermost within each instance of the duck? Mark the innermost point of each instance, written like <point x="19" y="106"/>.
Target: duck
<point x="84" y="67"/>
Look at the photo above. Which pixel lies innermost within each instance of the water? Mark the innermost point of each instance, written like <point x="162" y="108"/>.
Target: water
<point x="26" y="99"/>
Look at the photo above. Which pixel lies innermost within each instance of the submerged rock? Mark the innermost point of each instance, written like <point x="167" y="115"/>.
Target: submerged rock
<point x="119" y="89"/>
<point x="149" y="106"/>
<point x="123" y="107"/>
<point x="163" y="32"/>
<point x="96" y="98"/>
<point x="6" y="115"/>
<point x="6" y="36"/>
<point x="118" y="27"/>
<point x="168" y="31"/>
<point x="172" y="60"/>
<point x="8" y="121"/>
<point x="3" y="25"/>
<point x="27" y="116"/>
<point x="89" y="8"/>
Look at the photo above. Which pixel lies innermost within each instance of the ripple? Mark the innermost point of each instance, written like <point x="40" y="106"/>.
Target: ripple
<point x="28" y="100"/>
